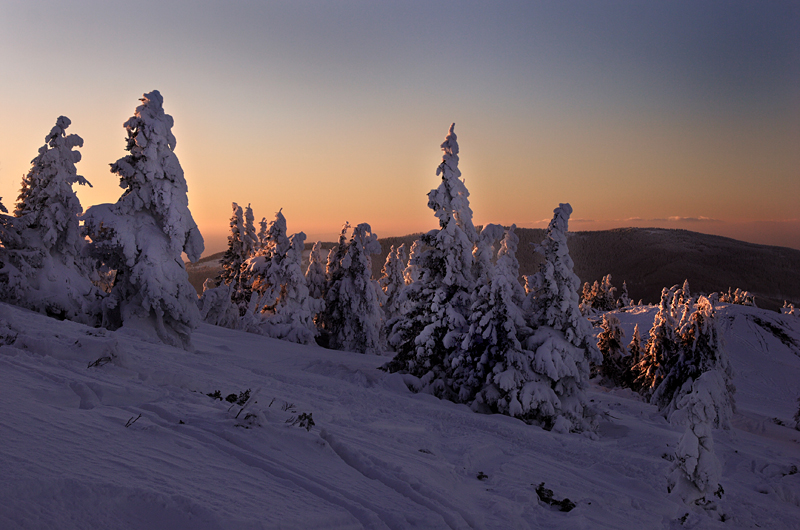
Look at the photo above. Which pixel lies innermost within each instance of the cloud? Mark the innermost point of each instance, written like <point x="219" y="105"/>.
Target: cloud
<point x="671" y="219"/>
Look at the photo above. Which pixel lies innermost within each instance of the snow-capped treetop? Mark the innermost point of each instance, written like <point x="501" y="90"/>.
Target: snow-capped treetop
<point x="508" y="265"/>
<point x="451" y="199"/>
<point x="249" y="238"/>
<point x="47" y="201"/>
<point x="411" y="273"/>
<point x="484" y="249"/>
<point x="556" y="300"/>
<point x="315" y="274"/>
<point x="153" y="178"/>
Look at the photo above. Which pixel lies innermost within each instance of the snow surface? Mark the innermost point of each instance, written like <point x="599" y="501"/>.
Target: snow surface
<point x="377" y="456"/>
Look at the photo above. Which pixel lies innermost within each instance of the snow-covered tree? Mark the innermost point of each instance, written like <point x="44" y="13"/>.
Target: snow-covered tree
<point x="598" y="297"/>
<point x="699" y="351"/>
<point x="500" y="363"/>
<point x="265" y="271"/>
<point x="412" y="271"/>
<point x="635" y="352"/>
<point x="143" y="235"/>
<point x="392" y="281"/>
<point x="233" y="259"/>
<point x="315" y="273"/>
<point x="352" y="318"/>
<point x="697" y="471"/>
<point x="428" y="335"/>
<point x="615" y="367"/>
<point x="563" y="343"/>
<point x="217" y="306"/>
<point x="45" y="267"/>
<point x="624" y="298"/>
<point x="290" y="316"/>
<point x="662" y="344"/>
<point x="250" y="240"/>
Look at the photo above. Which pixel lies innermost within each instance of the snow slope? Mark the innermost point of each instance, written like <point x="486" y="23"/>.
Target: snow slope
<point x="377" y="456"/>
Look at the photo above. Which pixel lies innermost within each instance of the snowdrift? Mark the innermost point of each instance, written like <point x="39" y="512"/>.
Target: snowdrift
<point x="104" y="429"/>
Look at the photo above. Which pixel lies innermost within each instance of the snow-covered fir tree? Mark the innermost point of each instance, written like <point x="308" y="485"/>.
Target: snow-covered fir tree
<point x="265" y="270"/>
<point x="233" y="259"/>
<point x="250" y="240"/>
<point x="45" y="267"/>
<point x="563" y="343"/>
<point x="635" y="352"/>
<point x="503" y="366"/>
<point x="315" y="273"/>
<point x="428" y="335"/>
<point x="699" y="351"/>
<point x="624" y="298"/>
<point x="412" y="271"/>
<point x="616" y="360"/>
<point x="392" y="281"/>
<point x="697" y="471"/>
<point x="291" y="315"/>
<point x="217" y="306"/>
<point x="662" y="344"/>
<point x="143" y="235"/>
<point x="352" y="319"/>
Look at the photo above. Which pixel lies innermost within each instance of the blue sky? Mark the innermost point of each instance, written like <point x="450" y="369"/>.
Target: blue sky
<point x="679" y="114"/>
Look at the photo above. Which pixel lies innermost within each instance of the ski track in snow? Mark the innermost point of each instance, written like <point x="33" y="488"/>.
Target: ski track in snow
<point x="378" y="457"/>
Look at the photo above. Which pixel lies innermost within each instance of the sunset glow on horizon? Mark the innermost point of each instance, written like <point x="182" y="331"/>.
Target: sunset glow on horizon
<point x="677" y="115"/>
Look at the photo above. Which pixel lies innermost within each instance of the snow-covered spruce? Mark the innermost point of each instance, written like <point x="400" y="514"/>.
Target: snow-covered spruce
<point x="696" y="473"/>
<point x="563" y="342"/>
<point x="352" y="319"/>
<point x="662" y="344"/>
<point x="281" y="307"/>
<point x="616" y="367"/>
<point x="44" y="263"/>
<point x="428" y="336"/>
<point x="315" y="273"/>
<point x="511" y="383"/>
<point x="624" y="298"/>
<point x="699" y="351"/>
<point x="143" y="234"/>
<point x="392" y="281"/>
<point x="231" y="264"/>
<point x="217" y="306"/>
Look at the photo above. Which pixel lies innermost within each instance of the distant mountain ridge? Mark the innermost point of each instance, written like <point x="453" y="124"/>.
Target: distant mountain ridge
<point x="648" y="259"/>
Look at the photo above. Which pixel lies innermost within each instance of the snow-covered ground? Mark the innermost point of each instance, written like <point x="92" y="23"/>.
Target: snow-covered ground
<point x="73" y="454"/>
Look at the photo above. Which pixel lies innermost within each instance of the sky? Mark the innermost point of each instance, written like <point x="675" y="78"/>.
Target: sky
<point x="679" y="114"/>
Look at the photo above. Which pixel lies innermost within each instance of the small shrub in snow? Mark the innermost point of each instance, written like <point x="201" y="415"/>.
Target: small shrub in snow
<point x="789" y="309"/>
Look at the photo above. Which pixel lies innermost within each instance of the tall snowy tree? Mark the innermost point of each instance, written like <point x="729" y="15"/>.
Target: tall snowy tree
<point x="143" y="235"/>
<point x="392" y="281"/>
<point x="624" y="298"/>
<point x="412" y="271"/>
<point x="237" y="253"/>
<point x="352" y="318"/>
<point x="428" y="336"/>
<point x="502" y="365"/>
<point x="662" y="344"/>
<point x="563" y="343"/>
<point x="315" y="273"/>
<point x="45" y="266"/>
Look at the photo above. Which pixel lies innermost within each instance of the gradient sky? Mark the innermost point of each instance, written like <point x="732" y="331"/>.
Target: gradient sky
<point x="682" y="114"/>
